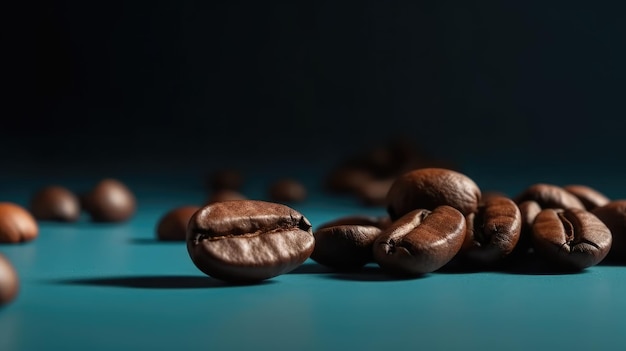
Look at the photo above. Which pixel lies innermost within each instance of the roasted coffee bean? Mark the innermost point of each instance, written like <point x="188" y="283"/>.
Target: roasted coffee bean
<point x="379" y="222"/>
<point x="173" y="225"/>
<point x="347" y="180"/>
<point x="110" y="201"/>
<point x="374" y="193"/>
<point x="16" y="224"/>
<point x="225" y="179"/>
<point x="572" y="239"/>
<point x="421" y="241"/>
<point x="9" y="282"/>
<point x="493" y="231"/>
<point x="287" y="190"/>
<point x="590" y="197"/>
<point x="549" y="196"/>
<point x="248" y="240"/>
<point x="55" y="203"/>
<point x="613" y="215"/>
<point x="344" y="246"/>
<point x="529" y="211"/>
<point x="225" y="195"/>
<point x="429" y="188"/>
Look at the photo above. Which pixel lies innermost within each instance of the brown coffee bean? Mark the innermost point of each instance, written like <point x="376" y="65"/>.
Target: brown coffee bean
<point x="225" y="179"/>
<point x="613" y="215"/>
<point x="421" y="241"/>
<point x="16" y="224"/>
<point x="225" y="195"/>
<point x="572" y="239"/>
<point x="9" y="281"/>
<point x="429" y="188"/>
<point x="590" y="197"/>
<point x="248" y="240"/>
<point x="287" y="190"/>
<point x="347" y="180"/>
<point x="379" y="222"/>
<point x="549" y="196"/>
<point x="529" y="211"/>
<point x="493" y="231"/>
<point x="344" y="246"/>
<point x="110" y="201"/>
<point x="55" y="203"/>
<point x="173" y="225"/>
<point x="374" y="193"/>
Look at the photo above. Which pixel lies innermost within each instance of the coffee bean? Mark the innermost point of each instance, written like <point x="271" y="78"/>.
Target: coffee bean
<point x="421" y="241"/>
<point x="529" y="211"/>
<point x="549" y="196"/>
<point x="9" y="282"/>
<point x="374" y="192"/>
<point x="225" y="195"/>
<point x="110" y="201"/>
<point x="590" y="197"/>
<point x="225" y="179"/>
<point x="429" y="188"/>
<point x="572" y="239"/>
<point x="248" y="240"/>
<point x="493" y="231"/>
<point x="287" y="190"/>
<point x="16" y="224"/>
<point x="347" y="180"/>
<point x="379" y="222"/>
<point x="344" y="246"/>
<point x="173" y="225"/>
<point x="55" y="203"/>
<point x="613" y="215"/>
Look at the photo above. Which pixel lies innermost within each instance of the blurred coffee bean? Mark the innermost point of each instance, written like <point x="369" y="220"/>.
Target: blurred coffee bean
<point x="591" y="198"/>
<point x="347" y="180"/>
<point x="374" y="192"/>
<point x="16" y="224"/>
<point x="9" y="281"/>
<point x="225" y="179"/>
<point x="110" y="201"/>
<point x="173" y="225"/>
<point x="287" y="190"/>
<point x="55" y="203"/>
<point x="225" y="195"/>
<point x="344" y="246"/>
<point x="549" y="196"/>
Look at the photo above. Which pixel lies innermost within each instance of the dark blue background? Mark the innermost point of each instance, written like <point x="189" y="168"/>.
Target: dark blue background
<point x="492" y="82"/>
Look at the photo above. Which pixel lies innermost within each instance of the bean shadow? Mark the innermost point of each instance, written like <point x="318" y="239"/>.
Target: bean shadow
<point x="154" y="282"/>
<point x="369" y="273"/>
<point x="311" y="268"/>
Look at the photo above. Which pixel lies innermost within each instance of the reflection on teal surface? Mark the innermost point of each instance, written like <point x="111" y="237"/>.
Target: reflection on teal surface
<point x="101" y="287"/>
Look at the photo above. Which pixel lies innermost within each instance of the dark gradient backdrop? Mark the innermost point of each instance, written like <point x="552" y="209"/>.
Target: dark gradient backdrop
<point x="92" y="81"/>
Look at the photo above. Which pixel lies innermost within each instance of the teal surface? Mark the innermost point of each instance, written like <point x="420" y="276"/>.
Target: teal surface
<point x="87" y="286"/>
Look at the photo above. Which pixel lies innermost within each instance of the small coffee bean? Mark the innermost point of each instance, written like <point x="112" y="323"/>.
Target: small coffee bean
<point x="225" y="195"/>
<point x="493" y="231"/>
<point x="590" y="197"/>
<point x="173" y="225"/>
<point x="421" y="241"/>
<point x="225" y="179"/>
<point x="248" y="240"/>
<point x="613" y="215"/>
<point x="16" y="224"/>
<point x="572" y="239"/>
<point x="379" y="222"/>
<point x="374" y="193"/>
<point x="9" y="282"/>
<point x="55" y="203"/>
<point x="428" y="188"/>
<point x="344" y="246"/>
<point x="287" y="190"/>
<point x="549" y="196"/>
<point x="347" y="180"/>
<point x="529" y="211"/>
<point x="110" y="201"/>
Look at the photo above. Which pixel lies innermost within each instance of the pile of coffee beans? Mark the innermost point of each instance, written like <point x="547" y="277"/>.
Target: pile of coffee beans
<point x="437" y="217"/>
